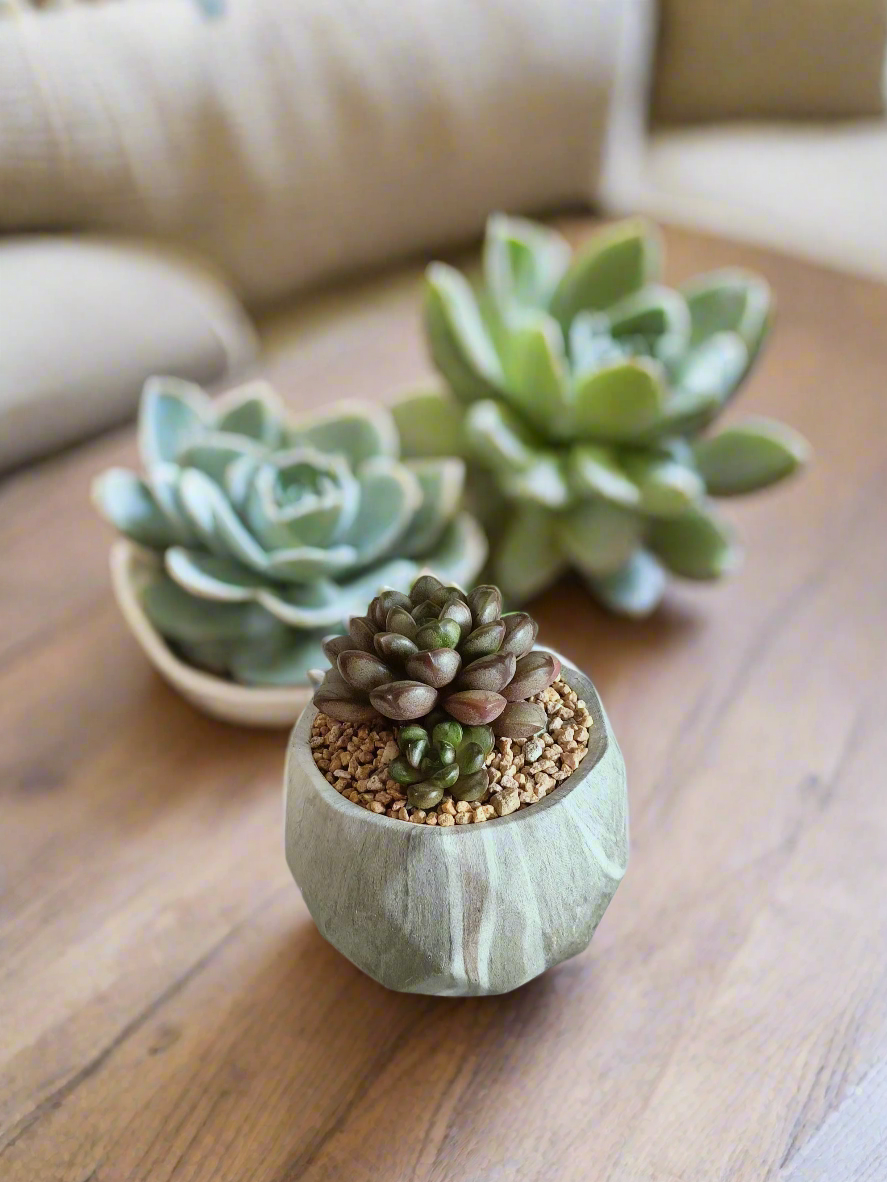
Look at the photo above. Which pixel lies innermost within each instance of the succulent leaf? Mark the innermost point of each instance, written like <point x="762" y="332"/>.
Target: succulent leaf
<point x="362" y="670"/>
<point x="749" y="456"/>
<point x="404" y="700"/>
<point x="613" y="264"/>
<point x="475" y="707"/>
<point x="430" y="424"/>
<point x="729" y="300"/>
<point x="586" y="398"/>
<point x="483" y="641"/>
<point x="523" y="261"/>
<point x="619" y="403"/>
<point x="520" y="720"/>
<point x="489" y="673"/>
<point x="471" y="787"/>
<point x="635" y="590"/>
<point x="171" y="412"/>
<point x="699" y="545"/>
<point x="600" y="538"/>
<point x="436" y="667"/>
<point x="520" y="634"/>
<point x="534" y="673"/>
<point x="126" y="501"/>
<point x="460" y="344"/>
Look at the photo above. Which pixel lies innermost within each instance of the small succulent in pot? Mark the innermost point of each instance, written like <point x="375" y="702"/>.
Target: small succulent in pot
<point x="450" y="671"/>
<point x="580" y="388"/>
<point x="269" y="530"/>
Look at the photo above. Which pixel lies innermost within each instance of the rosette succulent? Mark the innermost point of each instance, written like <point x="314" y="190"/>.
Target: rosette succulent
<point x="581" y="387"/>
<point x="450" y="663"/>
<point x="269" y="531"/>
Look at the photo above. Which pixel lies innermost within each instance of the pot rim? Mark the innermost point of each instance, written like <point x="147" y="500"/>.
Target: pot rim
<point x="298" y="749"/>
<point x="129" y="562"/>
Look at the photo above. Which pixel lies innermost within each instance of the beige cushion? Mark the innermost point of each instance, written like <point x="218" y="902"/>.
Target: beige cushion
<point x="83" y="323"/>
<point x="293" y="141"/>
<point x="815" y="190"/>
<point x="725" y="59"/>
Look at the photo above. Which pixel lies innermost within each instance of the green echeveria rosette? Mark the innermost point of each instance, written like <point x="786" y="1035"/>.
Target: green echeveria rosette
<point x="271" y="530"/>
<point x="580" y="388"/>
<point x="450" y="671"/>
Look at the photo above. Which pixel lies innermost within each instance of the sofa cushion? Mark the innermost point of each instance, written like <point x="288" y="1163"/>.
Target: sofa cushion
<point x="728" y="59"/>
<point x="291" y="142"/>
<point x="84" y="322"/>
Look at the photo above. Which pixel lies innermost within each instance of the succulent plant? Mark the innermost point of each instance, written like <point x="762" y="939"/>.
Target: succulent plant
<point x="447" y="658"/>
<point x="270" y="530"/>
<point x="579" y="390"/>
<point x="442" y="756"/>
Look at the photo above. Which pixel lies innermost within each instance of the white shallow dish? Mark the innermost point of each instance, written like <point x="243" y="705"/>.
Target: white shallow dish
<point x="215" y="696"/>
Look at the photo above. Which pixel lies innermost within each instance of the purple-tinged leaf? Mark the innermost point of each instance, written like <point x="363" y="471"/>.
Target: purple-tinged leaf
<point x="364" y="671"/>
<point x="520" y="633"/>
<point x="437" y="667"/>
<point x="534" y="673"/>
<point x="475" y="707"/>
<point x="402" y="701"/>
<point x="488" y="673"/>
<point x="520" y="720"/>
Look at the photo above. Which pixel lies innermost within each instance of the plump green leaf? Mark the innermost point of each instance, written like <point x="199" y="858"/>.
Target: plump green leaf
<point x="471" y="787"/>
<point x="729" y="300"/>
<point x="599" y="538"/>
<point x="211" y="577"/>
<point x="163" y="481"/>
<point x="359" y="431"/>
<point x="441" y="482"/>
<point x="171" y="413"/>
<point x="653" y="311"/>
<point x="125" y="500"/>
<point x="620" y="403"/>
<point x="523" y="261"/>
<point x="667" y="488"/>
<point x="499" y="439"/>
<point x="635" y="590"/>
<point x="254" y="410"/>
<point x="536" y="370"/>
<point x="430" y="423"/>
<point x="749" y="455"/>
<point x="595" y="470"/>
<point x="470" y="758"/>
<point x="544" y="481"/>
<point x="458" y="339"/>
<point x="529" y="556"/>
<point x="612" y="264"/>
<point x="178" y="615"/>
<point x="699" y="545"/>
<point x="281" y="660"/>
<point x="389" y="497"/>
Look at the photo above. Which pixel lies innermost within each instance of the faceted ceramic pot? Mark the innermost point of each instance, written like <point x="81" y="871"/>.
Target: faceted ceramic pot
<point x="470" y="909"/>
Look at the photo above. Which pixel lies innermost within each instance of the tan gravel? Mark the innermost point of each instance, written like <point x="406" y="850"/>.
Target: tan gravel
<point x="354" y="759"/>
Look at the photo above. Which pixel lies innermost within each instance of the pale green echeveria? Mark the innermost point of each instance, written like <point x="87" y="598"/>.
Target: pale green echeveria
<point x="274" y="530"/>
<point x="582" y="385"/>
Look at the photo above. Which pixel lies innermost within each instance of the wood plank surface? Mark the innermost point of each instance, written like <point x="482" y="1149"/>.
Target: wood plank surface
<point x="168" y="1012"/>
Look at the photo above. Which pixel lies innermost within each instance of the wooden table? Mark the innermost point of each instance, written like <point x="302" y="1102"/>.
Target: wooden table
<point x="168" y="1010"/>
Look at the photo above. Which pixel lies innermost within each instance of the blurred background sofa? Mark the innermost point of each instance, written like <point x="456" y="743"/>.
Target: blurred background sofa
<point x="176" y="177"/>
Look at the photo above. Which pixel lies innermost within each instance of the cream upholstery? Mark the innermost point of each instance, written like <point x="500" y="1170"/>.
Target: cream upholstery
<point x="83" y="322"/>
<point x="291" y="142"/>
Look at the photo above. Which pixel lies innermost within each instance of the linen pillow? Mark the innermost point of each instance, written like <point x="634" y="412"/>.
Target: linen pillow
<point x="83" y="323"/>
<point x="291" y="142"/>
<point x="726" y="59"/>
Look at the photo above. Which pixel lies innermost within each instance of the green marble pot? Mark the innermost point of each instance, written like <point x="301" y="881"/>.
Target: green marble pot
<point x="471" y="909"/>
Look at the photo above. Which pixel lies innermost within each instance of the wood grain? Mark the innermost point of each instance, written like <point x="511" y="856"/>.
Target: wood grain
<point x="170" y="1014"/>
